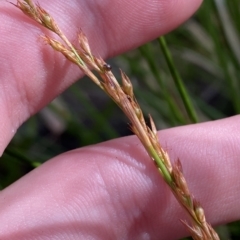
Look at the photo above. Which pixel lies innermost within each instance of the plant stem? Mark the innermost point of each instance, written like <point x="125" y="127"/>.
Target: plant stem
<point x="178" y="81"/>
<point x="146" y="52"/>
<point x="20" y="156"/>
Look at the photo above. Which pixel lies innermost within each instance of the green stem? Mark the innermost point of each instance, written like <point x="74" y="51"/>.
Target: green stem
<point x="18" y="155"/>
<point x="228" y="60"/>
<point x="178" y="81"/>
<point x="147" y="53"/>
<point x="161" y="166"/>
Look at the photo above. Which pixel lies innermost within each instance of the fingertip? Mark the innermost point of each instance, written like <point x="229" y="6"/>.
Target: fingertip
<point x="129" y="29"/>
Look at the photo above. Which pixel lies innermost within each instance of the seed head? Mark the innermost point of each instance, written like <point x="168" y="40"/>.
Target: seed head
<point x="126" y="85"/>
<point x="83" y="42"/>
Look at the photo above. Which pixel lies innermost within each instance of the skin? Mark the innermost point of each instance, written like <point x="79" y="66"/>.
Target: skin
<point x="111" y="190"/>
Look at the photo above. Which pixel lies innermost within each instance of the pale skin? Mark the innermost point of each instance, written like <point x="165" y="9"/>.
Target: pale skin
<point x="111" y="190"/>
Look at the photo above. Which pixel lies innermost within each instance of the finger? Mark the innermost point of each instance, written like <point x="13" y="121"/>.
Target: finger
<point x="32" y="74"/>
<point x="113" y="190"/>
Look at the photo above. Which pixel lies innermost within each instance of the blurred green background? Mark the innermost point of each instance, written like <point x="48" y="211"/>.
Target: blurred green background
<point x="206" y="54"/>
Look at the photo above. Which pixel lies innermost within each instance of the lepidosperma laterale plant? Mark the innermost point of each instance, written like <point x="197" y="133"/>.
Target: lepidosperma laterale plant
<point x="122" y="94"/>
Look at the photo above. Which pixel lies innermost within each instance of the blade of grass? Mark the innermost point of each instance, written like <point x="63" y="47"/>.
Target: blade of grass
<point x="178" y="81"/>
<point x="22" y="157"/>
<point x="230" y="33"/>
<point x="233" y="7"/>
<point x="148" y="55"/>
<point x="222" y="56"/>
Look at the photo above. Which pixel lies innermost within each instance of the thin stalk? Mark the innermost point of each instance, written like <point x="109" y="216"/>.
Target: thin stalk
<point x="20" y="156"/>
<point x="222" y="56"/>
<point x="178" y="81"/>
<point x="230" y="33"/>
<point x="161" y="166"/>
<point x="233" y="7"/>
<point x="147" y="53"/>
<point x="230" y="60"/>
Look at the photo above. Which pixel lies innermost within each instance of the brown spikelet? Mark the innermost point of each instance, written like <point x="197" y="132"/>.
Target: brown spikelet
<point x="124" y="97"/>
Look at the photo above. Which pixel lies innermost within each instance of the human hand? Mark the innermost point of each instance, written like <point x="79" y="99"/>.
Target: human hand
<point x="111" y="190"/>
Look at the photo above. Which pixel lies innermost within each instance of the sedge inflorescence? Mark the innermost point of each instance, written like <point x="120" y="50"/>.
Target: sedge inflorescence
<point x="123" y="95"/>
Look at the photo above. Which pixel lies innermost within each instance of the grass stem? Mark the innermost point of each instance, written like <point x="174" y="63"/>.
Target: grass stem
<point x="178" y="81"/>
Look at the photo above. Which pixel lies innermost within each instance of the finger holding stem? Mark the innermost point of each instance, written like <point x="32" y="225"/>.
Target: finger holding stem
<point x="124" y="97"/>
